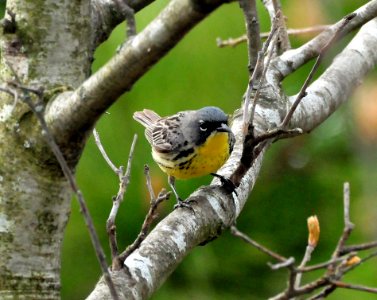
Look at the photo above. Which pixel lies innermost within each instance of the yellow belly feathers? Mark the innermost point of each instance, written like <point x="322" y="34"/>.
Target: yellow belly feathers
<point x="205" y="159"/>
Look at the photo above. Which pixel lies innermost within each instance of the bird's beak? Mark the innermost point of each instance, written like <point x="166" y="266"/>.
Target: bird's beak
<point x="223" y="128"/>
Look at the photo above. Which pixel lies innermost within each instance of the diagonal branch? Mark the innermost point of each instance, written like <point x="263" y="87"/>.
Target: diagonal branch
<point x="336" y="84"/>
<point x="78" y="111"/>
<point x="318" y="61"/>
<point x="294" y="59"/>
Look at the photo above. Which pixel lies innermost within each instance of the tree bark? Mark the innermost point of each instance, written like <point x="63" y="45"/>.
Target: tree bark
<point x="49" y="49"/>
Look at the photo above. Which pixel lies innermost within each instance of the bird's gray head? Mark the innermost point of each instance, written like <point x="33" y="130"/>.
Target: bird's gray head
<point x="203" y="122"/>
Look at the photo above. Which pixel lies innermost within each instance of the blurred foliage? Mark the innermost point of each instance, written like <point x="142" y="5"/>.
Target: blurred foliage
<point x="300" y="177"/>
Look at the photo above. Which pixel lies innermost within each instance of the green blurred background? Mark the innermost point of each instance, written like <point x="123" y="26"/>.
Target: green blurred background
<point x="300" y="177"/>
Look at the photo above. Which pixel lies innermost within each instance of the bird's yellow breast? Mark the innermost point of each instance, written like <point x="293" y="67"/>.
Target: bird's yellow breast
<point x="205" y="159"/>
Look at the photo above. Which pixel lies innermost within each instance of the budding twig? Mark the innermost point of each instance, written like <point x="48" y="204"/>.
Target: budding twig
<point x="313" y="227"/>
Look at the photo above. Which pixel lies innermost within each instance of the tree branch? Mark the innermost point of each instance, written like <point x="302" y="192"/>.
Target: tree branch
<point x="318" y="61"/>
<point x="75" y="112"/>
<point x="291" y="60"/>
<point x="233" y="42"/>
<point x="106" y="15"/>
<point x="336" y="84"/>
<point x="124" y="180"/>
<point x="254" y="43"/>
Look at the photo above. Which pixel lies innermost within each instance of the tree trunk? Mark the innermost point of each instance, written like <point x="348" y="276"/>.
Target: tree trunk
<point x="49" y="49"/>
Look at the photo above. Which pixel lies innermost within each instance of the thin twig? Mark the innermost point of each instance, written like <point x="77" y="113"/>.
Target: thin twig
<point x="324" y="264"/>
<point x="233" y="42"/>
<point x="344" y="285"/>
<point x="348" y="226"/>
<point x="38" y="110"/>
<point x="318" y="61"/>
<point x="352" y="248"/>
<point x="247" y="239"/>
<point x="307" y="257"/>
<point x="124" y="180"/>
<point x="249" y="9"/>
<point x="259" y="74"/>
<point x="103" y="152"/>
<point x="313" y="238"/>
<point x="288" y="263"/>
<point x="284" y="43"/>
<point x="278" y="133"/>
<point x="149" y="183"/>
<point x="149" y="218"/>
<point x="263" y="76"/>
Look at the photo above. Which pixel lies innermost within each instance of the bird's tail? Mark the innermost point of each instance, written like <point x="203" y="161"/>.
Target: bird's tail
<point x="146" y="117"/>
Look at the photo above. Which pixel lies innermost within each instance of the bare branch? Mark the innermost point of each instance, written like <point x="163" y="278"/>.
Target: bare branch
<point x="262" y="78"/>
<point x="325" y="264"/>
<point x="233" y="42"/>
<point x="365" y="246"/>
<point x="249" y="9"/>
<point x="124" y="180"/>
<point x="293" y="59"/>
<point x="151" y="215"/>
<point x="273" y="7"/>
<point x="308" y="80"/>
<point x="344" y="285"/>
<point x="314" y="229"/>
<point x="103" y="152"/>
<point x="348" y="226"/>
<point x="247" y="239"/>
<point x="356" y="60"/>
<point x="106" y="15"/>
<point x="285" y="264"/>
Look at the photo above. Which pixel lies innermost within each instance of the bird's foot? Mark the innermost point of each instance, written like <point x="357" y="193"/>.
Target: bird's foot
<point x="184" y="204"/>
<point x="226" y="183"/>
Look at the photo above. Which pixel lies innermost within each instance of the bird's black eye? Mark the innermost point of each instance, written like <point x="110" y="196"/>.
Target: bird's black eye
<point x="203" y="126"/>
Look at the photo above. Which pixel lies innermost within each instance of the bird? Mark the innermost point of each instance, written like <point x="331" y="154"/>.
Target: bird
<point x="188" y="144"/>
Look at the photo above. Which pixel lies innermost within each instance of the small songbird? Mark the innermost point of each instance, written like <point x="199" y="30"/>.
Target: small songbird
<point x="188" y="144"/>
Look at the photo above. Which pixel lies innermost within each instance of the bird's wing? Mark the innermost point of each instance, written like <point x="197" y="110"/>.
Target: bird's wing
<point x="166" y="133"/>
<point x="147" y="118"/>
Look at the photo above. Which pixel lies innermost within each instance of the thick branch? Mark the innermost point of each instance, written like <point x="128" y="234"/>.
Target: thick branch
<point x="336" y="84"/>
<point x="293" y="59"/>
<point x="106" y="15"/>
<point x="78" y="111"/>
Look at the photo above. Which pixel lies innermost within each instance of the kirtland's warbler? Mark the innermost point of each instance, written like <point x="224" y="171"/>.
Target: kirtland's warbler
<point x="188" y="144"/>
